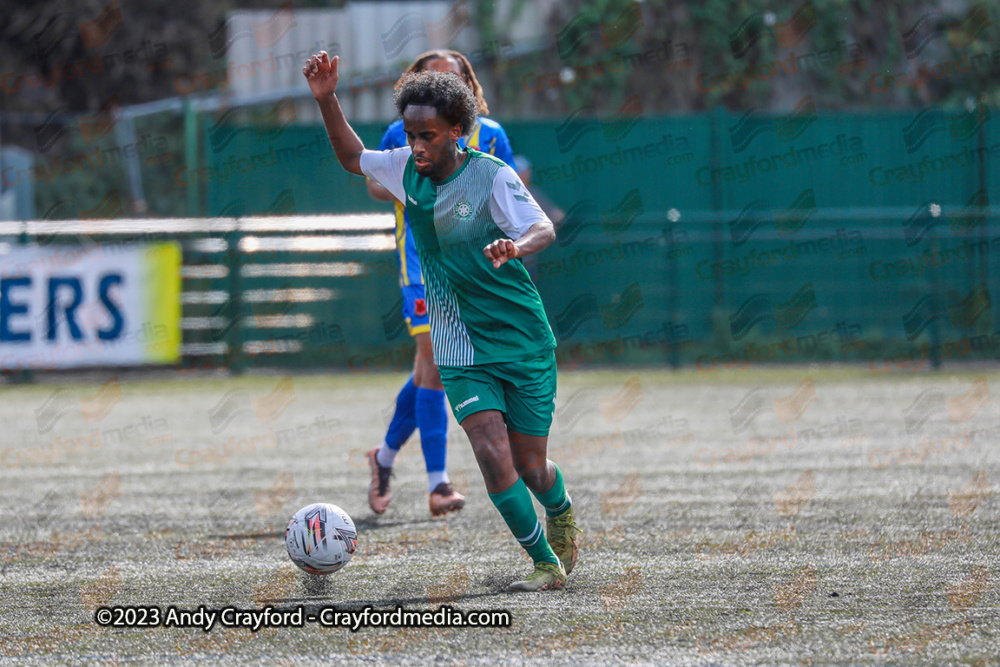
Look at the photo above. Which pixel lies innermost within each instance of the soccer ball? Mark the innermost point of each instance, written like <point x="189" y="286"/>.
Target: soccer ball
<point x="320" y="538"/>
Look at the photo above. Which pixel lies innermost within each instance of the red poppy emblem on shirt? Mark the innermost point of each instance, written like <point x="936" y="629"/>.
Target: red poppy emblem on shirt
<point x="420" y="307"/>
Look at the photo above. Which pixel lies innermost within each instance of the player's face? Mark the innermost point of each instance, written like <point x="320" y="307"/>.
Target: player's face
<point x="433" y="140"/>
<point x="445" y="65"/>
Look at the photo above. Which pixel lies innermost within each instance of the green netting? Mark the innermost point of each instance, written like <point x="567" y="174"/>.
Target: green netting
<point x="721" y="239"/>
<point x="718" y="239"/>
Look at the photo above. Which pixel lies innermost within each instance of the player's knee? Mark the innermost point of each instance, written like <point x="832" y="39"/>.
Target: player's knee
<point x="488" y="449"/>
<point x="493" y="457"/>
<point x="488" y="445"/>
<point x="529" y="463"/>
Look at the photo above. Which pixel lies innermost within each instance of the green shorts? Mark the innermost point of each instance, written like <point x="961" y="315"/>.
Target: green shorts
<point x="524" y="391"/>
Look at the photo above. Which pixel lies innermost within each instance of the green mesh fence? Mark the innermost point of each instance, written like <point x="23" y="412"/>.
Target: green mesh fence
<point x="720" y="240"/>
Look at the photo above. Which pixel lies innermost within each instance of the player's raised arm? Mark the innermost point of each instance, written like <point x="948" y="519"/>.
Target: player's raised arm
<point x="322" y="75"/>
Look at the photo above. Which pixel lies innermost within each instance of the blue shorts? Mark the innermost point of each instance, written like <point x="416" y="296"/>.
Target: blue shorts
<point x="415" y="310"/>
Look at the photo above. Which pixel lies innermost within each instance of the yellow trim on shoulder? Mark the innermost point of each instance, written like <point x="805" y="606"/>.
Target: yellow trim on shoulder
<point x="401" y="243"/>
<point x="473" y="141"/>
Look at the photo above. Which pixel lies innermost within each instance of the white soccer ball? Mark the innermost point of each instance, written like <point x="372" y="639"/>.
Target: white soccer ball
<point x="320" y="538"/>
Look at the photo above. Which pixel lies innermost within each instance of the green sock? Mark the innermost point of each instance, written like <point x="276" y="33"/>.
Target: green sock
<point x="516" y="508"/>
<point x="555" y="500"/>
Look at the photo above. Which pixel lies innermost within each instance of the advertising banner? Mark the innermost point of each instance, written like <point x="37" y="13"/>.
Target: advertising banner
<point x="103" y="304"/>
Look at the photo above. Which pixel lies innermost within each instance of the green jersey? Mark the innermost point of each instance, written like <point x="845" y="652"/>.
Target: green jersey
<point x="478" y="314"/>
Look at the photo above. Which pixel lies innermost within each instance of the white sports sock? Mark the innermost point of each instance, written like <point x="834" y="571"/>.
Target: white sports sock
<point x="386" y="455"/>
<point x="435" y="478"/>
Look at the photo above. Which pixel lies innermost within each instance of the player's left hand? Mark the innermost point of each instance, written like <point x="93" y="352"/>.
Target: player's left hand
<point x="500" y="251"/>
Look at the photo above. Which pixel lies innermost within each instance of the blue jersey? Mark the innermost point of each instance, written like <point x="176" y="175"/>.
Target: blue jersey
<point x="487" y="136"/>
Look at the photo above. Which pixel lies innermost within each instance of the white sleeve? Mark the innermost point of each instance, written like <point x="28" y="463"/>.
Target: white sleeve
<point x="512" y="206"/>
<point x="386" y="169"/>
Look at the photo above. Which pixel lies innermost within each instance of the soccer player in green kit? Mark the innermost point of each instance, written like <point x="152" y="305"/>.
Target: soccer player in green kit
<point x="472" y="221"/>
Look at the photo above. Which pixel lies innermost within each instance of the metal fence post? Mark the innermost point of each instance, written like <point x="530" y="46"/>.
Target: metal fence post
<point x="672" y="286"/>
<point x="719" y="295"/>
<point x="191" y="156"/>
<point x="982" y="182"/>
<point x="235" y="334"/>
<point x="937" y="304"/>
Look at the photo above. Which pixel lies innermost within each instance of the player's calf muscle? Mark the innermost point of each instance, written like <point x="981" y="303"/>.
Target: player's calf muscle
<point x="533" y="467"/>
<point x="488" y="437"/>
<point x="536" y="479"/>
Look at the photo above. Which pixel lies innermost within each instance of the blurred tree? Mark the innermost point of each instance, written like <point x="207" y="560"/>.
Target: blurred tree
<point x="676" y="56"/>
<point x="739" y="54"/>
<point x="159" y="37"/>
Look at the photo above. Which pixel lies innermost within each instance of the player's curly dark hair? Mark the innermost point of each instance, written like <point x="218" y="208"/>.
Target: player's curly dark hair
<point x="468" y="74"/>
<point x="445" y="91"/>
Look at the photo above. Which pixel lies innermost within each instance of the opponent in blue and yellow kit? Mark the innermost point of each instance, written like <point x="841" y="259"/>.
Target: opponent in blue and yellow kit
<point x="487" y="137"/>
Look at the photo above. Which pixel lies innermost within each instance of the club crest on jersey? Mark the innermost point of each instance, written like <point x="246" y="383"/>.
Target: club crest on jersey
<point x="463" y="210"/>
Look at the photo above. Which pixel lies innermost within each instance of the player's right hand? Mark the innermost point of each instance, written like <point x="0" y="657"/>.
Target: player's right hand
<point x="322" y="74"/>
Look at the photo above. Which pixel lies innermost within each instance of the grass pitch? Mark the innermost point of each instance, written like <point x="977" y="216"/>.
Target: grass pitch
<point x="792" y="516"/>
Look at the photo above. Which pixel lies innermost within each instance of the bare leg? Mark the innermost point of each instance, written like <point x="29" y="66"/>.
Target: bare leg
<point x="425" y="372"/>
<point x="488" y="435"/>
<point x="530" y="461"/>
